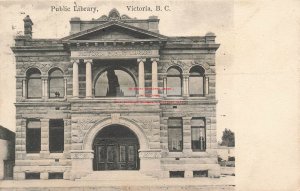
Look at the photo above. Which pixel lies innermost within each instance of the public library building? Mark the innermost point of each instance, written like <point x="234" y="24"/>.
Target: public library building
<point x="115" y="95"/>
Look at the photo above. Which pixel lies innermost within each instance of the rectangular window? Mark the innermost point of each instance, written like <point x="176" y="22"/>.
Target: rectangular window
<point x="196" y="86"/>
<point x="56" y="135"/>
<point x="122" y="153"/>
<point x="174" y="86"/>
<point x="176" y="174"/>
<point x="55" y="175"/>
<point x="200" y="173"/>
<point x="33" y="136"/>
<point x="32" y="175"/>
<point x="175" y="134"/>
<point x="198" y="134"/>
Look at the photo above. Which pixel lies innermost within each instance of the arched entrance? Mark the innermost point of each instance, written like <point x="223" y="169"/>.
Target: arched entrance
<point x="116" y="148"/>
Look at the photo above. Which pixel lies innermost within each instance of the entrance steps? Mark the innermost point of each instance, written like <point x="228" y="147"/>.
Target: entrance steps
<point x="116" y="175"/>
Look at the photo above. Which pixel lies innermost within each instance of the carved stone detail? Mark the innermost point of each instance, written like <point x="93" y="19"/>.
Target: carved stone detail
<point x="44" y="67"/>
<point x="150" y="154"/>
<point x="186" y="65"/>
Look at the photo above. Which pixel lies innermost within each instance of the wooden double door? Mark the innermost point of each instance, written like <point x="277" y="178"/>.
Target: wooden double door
<point x="116" y="154"/>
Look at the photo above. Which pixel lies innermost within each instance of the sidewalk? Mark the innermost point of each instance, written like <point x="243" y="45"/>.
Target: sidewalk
<point x="173" y="184"/>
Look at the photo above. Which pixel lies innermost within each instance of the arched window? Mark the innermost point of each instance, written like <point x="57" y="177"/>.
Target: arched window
<point x="34" y="83"/>
<point x="114" y="82"/>
<point x="196" y="81"/>
<point x="56" y="83"/>
<point x="174" y="81"/>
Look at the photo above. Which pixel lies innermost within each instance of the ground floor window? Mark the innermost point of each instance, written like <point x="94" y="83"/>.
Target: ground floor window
<point x="56" y="135"/>
<point x="198" y="134"/>
<point x="33" y="136"/>
<point x="175" y="134"/>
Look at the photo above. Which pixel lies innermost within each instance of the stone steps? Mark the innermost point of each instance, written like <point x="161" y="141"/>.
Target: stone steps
<point x="116" y="175"/>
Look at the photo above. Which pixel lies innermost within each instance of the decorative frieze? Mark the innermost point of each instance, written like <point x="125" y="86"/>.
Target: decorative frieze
<point x="151" y="154"/>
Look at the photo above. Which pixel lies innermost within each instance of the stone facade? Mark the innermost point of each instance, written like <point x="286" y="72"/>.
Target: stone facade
<point x="134" y="46"/>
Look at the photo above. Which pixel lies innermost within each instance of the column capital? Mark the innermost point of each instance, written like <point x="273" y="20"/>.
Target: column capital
<point x="185" y="75"/>
<point x="44" y="77"/>
<point x="75" y="61"/>
<point x="141" y="60"/>
<point x="88" y="61"/>
<point x="154" y="59"/>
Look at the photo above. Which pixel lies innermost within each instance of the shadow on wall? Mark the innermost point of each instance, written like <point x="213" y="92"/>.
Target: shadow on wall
<point x="7" y="153"/>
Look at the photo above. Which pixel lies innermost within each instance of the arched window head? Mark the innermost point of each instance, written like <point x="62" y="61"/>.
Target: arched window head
<point x="174" y="81"/>
<point x="115" y="82"/>
<point x="196" y="81"/>
<point x="56" y="83"/>
<point x="34" y="83"/>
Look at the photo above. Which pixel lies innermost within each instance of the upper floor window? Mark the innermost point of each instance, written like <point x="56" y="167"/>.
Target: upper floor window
<point x="175" y="142"/>
<point x="196" y="81"/>
<point x="56" y="83"/>
<point x="34" y="83"/>
<point x="198" y="134"/>
<point x="174" y="81"/>
<point x="33" y="136"/>
<point x="115" y="82"/>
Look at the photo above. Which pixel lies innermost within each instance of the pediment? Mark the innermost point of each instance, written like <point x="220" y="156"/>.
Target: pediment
<point x="115" y="30"/>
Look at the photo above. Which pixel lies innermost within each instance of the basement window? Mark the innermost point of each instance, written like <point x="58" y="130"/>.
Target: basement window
<point x="55" y="175"/>
<point x="32" y="175"/>
<point x="176" y="174"/>
<point x="56" y="135"/>
<point x="200" y="173"/>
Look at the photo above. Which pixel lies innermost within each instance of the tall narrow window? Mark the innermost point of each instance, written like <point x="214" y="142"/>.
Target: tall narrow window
<point x="56" y="135"/>
<point x="33" y="136"/>
<point x="175" y="134"/>
<point x="56" y="84"/>
<point x="34" y="83"/>
<point x="198" y="134"/>
<point x="196" y="81"/>
<point x="174" y="81"/>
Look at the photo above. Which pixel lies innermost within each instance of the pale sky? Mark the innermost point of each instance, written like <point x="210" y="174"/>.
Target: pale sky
<point x="194" y="19"/>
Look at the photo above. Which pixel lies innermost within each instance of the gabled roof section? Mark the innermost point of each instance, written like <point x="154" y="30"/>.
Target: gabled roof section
<point x="99" y="29"/>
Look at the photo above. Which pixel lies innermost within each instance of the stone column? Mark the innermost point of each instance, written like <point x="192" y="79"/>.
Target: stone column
<point x="154" y="77"/>
<point x="65" y="86"/>
<point x="185" y="85"/>
<point x="45" y="87"/>
<point x="45" y="136"/>
<point x="164" y="76"/>
<point x="24" y="92"/>
<point x="141" y="77"/>
<point x="187" y="135"/>
<point x="206" y="86"/>
<point x="75" y="79"/>
<point x="88" y="78"/>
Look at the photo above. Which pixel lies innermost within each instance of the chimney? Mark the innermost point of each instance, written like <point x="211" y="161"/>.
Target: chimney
<point x="28" y="26"/>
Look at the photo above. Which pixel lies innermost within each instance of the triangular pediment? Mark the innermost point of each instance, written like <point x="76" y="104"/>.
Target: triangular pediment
<point x="115" y="30"/>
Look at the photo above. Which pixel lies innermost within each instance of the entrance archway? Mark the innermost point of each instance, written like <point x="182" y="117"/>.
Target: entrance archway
<point x="116" y="148"/>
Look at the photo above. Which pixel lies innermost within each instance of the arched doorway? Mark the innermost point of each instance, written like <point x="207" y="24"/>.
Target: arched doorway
<point x="116" y="148"/>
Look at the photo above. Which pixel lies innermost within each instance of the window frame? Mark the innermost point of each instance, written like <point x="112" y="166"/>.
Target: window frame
<point x="29" y="77"/>
<point x="53" y="128"/>
<point x="201" y="74"/>
<point x="198" y="127"/>
<point x="56" y="77"/>
<point x="178" y="76"/>
<point x="181" y="130"/>
<point x="27" y="145"/>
